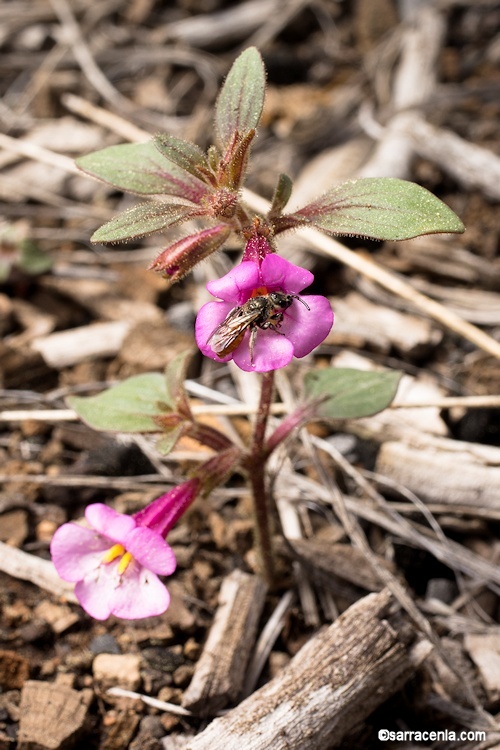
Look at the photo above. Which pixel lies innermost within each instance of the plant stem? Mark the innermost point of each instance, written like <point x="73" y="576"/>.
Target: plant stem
<point x="256" y="465"/>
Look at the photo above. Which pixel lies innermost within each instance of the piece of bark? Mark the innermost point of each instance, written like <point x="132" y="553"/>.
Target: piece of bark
<point x="220" y="671"/>
<point x="335" y="681"/>
<point x="340" y="560"/>
<point x="454" y="477"/>
<point x="484" y="650"/>
<point x="52" y="717"/>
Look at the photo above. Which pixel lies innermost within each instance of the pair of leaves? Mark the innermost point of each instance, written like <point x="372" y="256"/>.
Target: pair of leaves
<point x="136" y="404"/>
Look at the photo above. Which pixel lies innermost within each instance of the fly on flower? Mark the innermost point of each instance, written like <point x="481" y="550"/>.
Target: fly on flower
<point x="264" y="311"/>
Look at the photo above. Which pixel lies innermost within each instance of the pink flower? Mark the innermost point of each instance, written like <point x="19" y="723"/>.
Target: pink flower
<point x="260" y="321"/>
<point x="116" y="562"/>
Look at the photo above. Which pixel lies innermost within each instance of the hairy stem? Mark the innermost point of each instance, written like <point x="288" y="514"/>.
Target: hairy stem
<point x="256" y="465"/>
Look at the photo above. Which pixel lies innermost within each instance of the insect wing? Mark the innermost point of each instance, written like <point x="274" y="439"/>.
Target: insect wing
<point x="228" y="335"/>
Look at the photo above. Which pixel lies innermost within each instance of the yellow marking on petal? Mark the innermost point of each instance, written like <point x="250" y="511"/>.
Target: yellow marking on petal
<point x="124" y="562"/>
<point x="117" y="550"/>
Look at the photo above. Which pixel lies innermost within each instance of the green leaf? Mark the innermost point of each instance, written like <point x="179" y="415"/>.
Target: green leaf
<point x="186" y="155"/>
<point x="129" y="406"/>
<point x="143" y="219"/>
<point x="281" y="195"/>
<point x="32" y="260"/>
<point x="382" y="208"/>
<point x="141" y="168"/>
<point x="351" y="393"/>
<point x="175" y="376"/>
<point x="241" y="99"/>
<point x="167" y="441"/>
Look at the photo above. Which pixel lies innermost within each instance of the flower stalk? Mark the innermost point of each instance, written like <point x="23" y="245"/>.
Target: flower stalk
<point x="256" y="465"/>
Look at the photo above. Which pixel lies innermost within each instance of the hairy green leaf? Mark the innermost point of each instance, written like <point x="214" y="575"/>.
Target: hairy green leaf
<point x="241" y="99"/>
<point x="350" y="394"/>
<point x="143" y="219"/>
<point x="175" y="375"/>
<point x="382" y="208"/>
<point x="129" y="406"/>
<point x="281" y="195"/>
<point x="141" y="168"/>
<point x="186" y="155"/>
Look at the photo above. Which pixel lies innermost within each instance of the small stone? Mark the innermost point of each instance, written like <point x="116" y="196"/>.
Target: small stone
<point x="59" y="616"/>
<point x="118" y="669"/>
<point x="183" y="674"/>
<point x="14" y="527"/>
<point x="104" y="644"/>
<point x="14" y="670"/>
<point x="192" y="649"/>
<point x="36" y="630"/>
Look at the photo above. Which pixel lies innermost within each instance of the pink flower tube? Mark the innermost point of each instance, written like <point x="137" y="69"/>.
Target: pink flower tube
<point x="116" y="562"/>
<point x="260" y="322"/>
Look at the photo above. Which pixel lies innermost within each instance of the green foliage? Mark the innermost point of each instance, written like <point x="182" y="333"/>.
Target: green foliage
<point x="130" y="406"/>
<point x="141" y="168"/>
<point x="281" y="195"/>
<point x="241" y="98"/>
<point x="25" y="256"/>
<point x="142" y="220"/>
<point x="350" y="394"/>
<point x="382" y="208"/>
<point x="186" y="155"/>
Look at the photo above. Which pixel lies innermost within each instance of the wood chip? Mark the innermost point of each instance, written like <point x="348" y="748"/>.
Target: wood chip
<point x="484" y="650"/>
<point x="52" y="716"/>
<point x="220" y="671"/>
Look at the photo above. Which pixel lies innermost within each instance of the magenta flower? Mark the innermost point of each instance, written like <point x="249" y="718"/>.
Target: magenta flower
<point x="116" y="562"/>
<point x="260" y="321"/>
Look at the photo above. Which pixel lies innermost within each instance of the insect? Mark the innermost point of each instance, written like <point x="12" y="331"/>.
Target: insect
<point x="264" y="311"/>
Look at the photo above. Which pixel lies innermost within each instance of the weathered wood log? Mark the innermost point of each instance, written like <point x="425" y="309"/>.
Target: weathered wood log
<point x="335" y="681"/>
<point x="455" y="477"/>
<point x="220" y="671"/>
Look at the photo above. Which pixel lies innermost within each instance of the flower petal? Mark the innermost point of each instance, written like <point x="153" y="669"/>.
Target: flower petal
<point x="151" y="550"/>
<point x="237" y="285"/>
<point x="108" y="522"/>
<point x="95" y="592"/>
<point x="209" y="317"/>
<point x="141" y="596"/>
<point x="278" y="273"/>
<point x="77" y="550"/>
<point x="306" y="329"/>
<point x="271" y="351"/>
